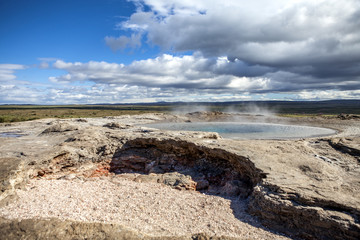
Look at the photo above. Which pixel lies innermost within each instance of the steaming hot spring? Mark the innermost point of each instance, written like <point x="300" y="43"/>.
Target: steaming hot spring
<point x="240" y="130"/>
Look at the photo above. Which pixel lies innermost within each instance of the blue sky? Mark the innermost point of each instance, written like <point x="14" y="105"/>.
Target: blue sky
<point x="65" y="29"/>
<point x="117" y="51"/>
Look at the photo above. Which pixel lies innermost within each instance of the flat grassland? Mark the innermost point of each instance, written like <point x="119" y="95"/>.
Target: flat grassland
<point x="327" y="109"/>
<point x="17" y="113"/>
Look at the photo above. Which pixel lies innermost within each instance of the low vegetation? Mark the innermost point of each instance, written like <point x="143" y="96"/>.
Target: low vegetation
<point x="17" y="113"/>
<point x="326" y="109"/>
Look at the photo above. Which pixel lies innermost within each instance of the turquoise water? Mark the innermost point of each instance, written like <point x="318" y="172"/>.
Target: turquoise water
<point x="248" y="130"/>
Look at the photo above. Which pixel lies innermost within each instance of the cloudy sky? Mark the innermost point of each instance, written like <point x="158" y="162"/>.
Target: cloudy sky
<point x="118" y="51"/>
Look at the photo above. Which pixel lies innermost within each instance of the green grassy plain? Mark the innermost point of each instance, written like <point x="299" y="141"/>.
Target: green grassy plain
<point x="17" y="113"/>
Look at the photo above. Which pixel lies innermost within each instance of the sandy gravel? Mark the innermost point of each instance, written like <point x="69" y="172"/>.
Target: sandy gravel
<point x="152" y="208"/>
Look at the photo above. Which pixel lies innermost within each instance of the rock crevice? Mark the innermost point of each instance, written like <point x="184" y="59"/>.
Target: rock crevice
<point x="214" y="170"/>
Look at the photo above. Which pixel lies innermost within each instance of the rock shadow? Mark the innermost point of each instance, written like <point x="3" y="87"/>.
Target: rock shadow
<point x="214" y="171"/>
<point x="185" y="165"/>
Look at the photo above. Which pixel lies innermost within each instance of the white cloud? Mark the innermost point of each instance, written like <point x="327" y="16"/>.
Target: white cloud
<point x="195" y="72"/>
<point x="18" y="93"/>
<point x="227" y="28"/>
<point x="328" y="95"/>
<point x="166" y="71"/>
<point x="7" y="71"/>
<point x="249" y="84"/>
<point x="310" y="39"/>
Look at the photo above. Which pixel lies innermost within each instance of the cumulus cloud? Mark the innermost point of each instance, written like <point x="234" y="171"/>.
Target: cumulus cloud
<point x="289" y="43"/>
<point x="195" y="72"/>
<point x="328" y="94"/>
<point x="166" y="78"/>
<point x="244" y="28"/>
<point x="166" y="71"/>
<point x="17" y="93"/>
<point x="7" y="71"/>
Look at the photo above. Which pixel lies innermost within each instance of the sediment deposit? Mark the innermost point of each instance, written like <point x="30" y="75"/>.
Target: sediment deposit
<point x="112" y="178"/>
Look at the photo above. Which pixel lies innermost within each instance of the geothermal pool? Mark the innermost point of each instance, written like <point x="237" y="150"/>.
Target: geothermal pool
<point x="237" y="130"/>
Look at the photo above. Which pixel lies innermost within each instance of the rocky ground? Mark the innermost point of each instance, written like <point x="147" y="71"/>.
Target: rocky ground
<point x="113" y="178"/>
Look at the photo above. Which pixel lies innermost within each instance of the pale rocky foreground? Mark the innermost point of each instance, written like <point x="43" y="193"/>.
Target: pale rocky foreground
<point x="110" y="178"/>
